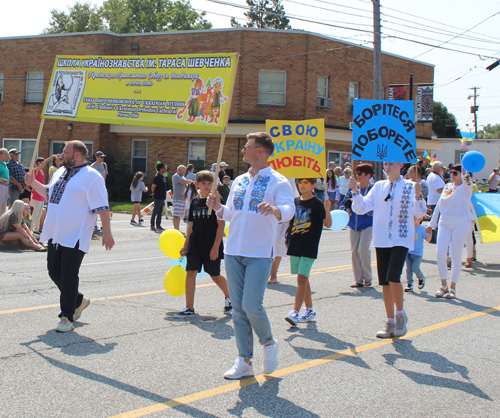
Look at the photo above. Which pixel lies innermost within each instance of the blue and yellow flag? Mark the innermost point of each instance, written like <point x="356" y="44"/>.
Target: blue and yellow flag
<point x="487" y="208"/>
<point x="426" y="155"/>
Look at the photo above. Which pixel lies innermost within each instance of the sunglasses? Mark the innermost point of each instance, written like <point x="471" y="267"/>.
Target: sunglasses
<point x="358" y="173"/>
<point x="455" y="173"/>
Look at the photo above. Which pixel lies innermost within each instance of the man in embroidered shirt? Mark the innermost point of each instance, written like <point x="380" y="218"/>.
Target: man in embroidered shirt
<point x="258" y="200"/>
<point x="394" y="202"/>
<point x="75" y="195"/>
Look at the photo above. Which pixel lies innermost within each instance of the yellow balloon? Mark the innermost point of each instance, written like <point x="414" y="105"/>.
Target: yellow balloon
<point x="226" y="229"/>
<point x="171" y="241"/>
<point x="175" y="281"/>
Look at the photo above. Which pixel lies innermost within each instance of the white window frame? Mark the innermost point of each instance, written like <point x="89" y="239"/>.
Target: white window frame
<point x="197" y="141"/>
<point x="324" y="79"/>
<point x="20" y="148"/>
<point x="283" y="93"/>
<point x="132" y="156"/>
<point x="459" y="154"/>
<point x="342" y="160"/>
<point x="2" y="80"/>
<point x="351" y="99"/>
<point x="89" y="144"/>
<point x="32" y="92"/>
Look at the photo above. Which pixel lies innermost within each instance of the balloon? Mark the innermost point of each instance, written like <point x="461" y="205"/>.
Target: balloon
<point x="201" y="274"/>
<point x="182" y="262"/>
<point x="171" y="241"/>
<point x="175" y="281"/>
<point x="226" y="229"/>
<point x="340" y="219"/>
<point x="473" y="161"/>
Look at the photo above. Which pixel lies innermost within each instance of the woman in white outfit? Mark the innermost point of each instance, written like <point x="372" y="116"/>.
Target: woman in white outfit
<point x="454" y="227"/>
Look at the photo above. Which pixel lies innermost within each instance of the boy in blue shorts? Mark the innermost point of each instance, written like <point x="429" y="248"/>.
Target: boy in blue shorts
<point x="414" y="257"/>
<point x="203" y="245"/>
<point x="310" y="216"/>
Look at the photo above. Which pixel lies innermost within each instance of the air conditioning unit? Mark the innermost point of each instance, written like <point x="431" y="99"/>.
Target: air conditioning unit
<point x="324" y="103"/>
<point x="351" y="125"/>
<point x="1" y="96"/>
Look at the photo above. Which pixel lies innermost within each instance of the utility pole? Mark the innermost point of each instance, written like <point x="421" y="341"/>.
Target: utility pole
<point x="475" y="107"/>
<point x="377" y="69"/>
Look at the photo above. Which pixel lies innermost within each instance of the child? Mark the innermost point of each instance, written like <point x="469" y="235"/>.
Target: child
<point x="203" y="245"/>
<point x="224" y="189"/>
<point x="307" y="225"/>
<point x="414" y="257"/>
<point x="190" y="193"/>
<point x="137" y="188"/>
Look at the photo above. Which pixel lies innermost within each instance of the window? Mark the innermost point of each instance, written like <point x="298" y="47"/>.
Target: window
<point x="34" y="87"/>
<point x="339" y="158"/>
<point x="353" y="92"/>
<point x="139" y="155"/>
<point x="272" y="87"/>
<point x="196" y="154"/>
<point x="56" y="147"/>
<point x="26" y="146"/>
<point x="322" y="86"/>
<point x="459" y="154"/>
<point x="1" y="87"/>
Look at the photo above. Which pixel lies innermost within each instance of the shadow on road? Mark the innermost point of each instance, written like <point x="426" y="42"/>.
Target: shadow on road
<point x="219" y="328"/>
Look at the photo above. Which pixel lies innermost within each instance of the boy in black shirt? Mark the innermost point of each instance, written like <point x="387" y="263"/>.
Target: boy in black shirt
<point x="310" y="216"/>
<point x="203" y="245"/>
<point x="159" y="189"/>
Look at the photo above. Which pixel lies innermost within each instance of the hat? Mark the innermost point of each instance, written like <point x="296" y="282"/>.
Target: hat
<point x="457" y="167"/>
<point x="214" y="166"/>
<point x="99" y="154"/>
<point x="14" y="151"/>
<point x="223" y="164"/>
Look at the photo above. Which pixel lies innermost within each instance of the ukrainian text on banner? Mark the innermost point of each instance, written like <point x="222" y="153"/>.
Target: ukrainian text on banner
<point x="299" y="147"/>
<point x="396" y="92"/>
<point x="384" y="130"/>
<point x="165" y="91"/>
<point x="487" y="209"/>
<point x="425" y="102"/>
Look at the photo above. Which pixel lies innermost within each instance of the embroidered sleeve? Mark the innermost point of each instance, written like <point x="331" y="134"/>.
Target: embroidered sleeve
<point x="100" y="209"/>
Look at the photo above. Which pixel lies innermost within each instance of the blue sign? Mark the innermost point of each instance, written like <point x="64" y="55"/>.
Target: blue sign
<point x="384" y="130"/>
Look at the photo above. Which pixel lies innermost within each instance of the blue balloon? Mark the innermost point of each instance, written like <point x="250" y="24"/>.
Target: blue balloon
<point x="340" y="219"/>
<point x="183" y="262"/>
<point x="473" y="161"/>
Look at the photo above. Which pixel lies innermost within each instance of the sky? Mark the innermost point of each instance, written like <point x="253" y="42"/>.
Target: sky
<point x="468" y="27"/>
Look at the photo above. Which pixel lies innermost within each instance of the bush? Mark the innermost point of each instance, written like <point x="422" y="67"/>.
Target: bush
<point x="119" y="177"/>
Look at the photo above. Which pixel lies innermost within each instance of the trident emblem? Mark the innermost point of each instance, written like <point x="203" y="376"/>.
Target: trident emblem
<point x="381" y="151"/>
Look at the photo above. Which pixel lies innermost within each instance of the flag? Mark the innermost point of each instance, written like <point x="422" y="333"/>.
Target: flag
<point x="426" y="155"/>
<point x="434" y="158"/>
<point x="465" y="146"/>
<point x="425" y="102"/>
<point x="467" y="136"/>
<point x="487" y="211"/>
<point x="396" y="92"/>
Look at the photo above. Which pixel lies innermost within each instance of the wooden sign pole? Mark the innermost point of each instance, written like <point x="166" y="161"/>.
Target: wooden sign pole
<point x="37" y="144"/>
<point x="223" y="137"/>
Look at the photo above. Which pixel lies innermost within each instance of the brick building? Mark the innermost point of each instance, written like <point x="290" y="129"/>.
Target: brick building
<point x="290" y="75"/>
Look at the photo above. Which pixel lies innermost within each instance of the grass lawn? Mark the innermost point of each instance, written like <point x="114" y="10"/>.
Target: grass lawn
<point x="125" y="207"/>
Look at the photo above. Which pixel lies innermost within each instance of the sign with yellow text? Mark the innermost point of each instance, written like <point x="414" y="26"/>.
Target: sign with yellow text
<point x="166" y="91"/>
<point x="299" y="147"/>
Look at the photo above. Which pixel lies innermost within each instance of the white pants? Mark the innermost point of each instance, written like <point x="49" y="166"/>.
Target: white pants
<point x="4" y="196"/>
<point x="360" y="254"/>
<point x="469" y="243"/>
<point x="454" y="237"/>
<point x="37" y="214"/>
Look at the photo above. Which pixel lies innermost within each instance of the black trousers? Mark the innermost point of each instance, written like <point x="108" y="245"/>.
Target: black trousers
<point x="63" y="264"/>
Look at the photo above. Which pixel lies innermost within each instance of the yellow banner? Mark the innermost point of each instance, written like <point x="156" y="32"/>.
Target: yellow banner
<point x="299" y="147"/>
<point x="166" y="91"/>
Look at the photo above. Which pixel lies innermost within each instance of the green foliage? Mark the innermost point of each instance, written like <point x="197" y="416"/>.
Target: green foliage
<point x="265" y="14"/>
<point x="128" y="16"/>
<point x="442" y="118"/>
<point x="119" y="177"/>
<point x="490" y="131"/>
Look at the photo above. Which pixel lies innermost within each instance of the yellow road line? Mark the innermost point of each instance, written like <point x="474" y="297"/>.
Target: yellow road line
<point x="293" y="369"/>
<point x="154" y="292"/>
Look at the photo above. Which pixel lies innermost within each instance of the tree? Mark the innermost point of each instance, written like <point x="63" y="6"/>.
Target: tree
<point x="490" y="131"/>
<point x="82" y="17"/>
<point x="265" y="14"/>
<point x="442" y="118"/>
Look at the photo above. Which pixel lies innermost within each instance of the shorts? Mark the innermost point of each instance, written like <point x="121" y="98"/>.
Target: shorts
<point x="179" y="206"/>
<point x="390" y="263"/>
<point x="195" y="262"/>
<point x="301" y="265"/>
<point x="25" y="194"/>
<point x="136" y="202"/>
<point x="13" y="194"/>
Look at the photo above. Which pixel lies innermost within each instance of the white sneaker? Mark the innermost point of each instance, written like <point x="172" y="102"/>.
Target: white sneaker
<point x="292" y="318"/>
<point x="240" y="369"/>
<point x="78" y="311"/>
<point x="308" y="316"/>
<point x="401" y="321"/>
<point x="65" y="325"/>
<point x="271" y="357"/>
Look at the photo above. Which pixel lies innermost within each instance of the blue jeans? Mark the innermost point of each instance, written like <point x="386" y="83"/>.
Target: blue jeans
<point x="320" y="195"/>
<point x="157" y="211"/>
<point x="413" y="266"/>
<point x="247" y="280"/>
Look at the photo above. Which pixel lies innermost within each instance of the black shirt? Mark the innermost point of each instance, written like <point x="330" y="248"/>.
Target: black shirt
<point x="204" y="231"/>
<point x="307" y="225"/>
<point x="161" y="187"/>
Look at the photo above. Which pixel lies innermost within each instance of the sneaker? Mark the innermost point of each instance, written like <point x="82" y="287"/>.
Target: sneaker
<point x="65" y="325"/>
<point x="228" y="308"/>
<point x="292" y="318"/>
<point x="387" y="331"/>
<point x="153" y="229"/>
<point x="96" y="228"/>
<point x="159" y="228"/>
<point x="240" y="369"/>
<point x="133" y="223"/>
<point x="401" y="321"/>
<point x="185" y="313"/>
<point x="78" y="312"/>
<point x="271" y="357"/>
<point x="409" y="288"/>
<point x="308" y="316"/>
<point x="141" y="220"/>
<point x="421" y="283"/>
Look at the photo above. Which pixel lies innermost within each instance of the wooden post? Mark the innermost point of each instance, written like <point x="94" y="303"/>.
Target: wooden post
<point x="223" y="137"/>
<point x="37" y="144"/>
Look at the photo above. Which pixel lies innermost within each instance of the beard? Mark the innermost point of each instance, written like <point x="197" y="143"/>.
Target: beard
<point x="68" y="163"/>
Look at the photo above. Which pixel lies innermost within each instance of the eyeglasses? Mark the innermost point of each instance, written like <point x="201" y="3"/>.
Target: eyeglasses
<point x="455" y="173"/>
<point x="245" y="148"/>
<point x="358" y="173"/>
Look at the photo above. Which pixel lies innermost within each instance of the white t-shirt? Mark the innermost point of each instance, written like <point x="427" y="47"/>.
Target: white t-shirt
<point x="73" y="206"/>
<point x="434" y="182"/>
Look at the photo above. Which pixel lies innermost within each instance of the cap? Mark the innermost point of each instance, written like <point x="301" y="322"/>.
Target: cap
<point x="214" y="166"/>
<point x="99" y="154"/>
<point x="223" y="164"/>
<point x="14" y="151"/>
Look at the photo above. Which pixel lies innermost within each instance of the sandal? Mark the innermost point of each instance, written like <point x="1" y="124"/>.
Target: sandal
<point x="441" y="292"/>
<point x="357" y="285"/>
<point x="41" y="249"/>
<point x="368" y="282"/>
<point x="450" y="294"/>
<point x="272" y="280"/>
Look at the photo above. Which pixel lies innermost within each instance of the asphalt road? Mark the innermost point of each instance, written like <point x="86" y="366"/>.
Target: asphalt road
<point x="129" y="356"/>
